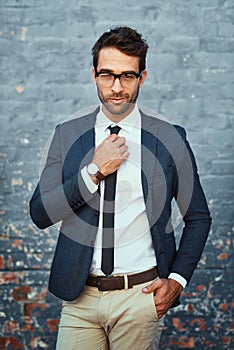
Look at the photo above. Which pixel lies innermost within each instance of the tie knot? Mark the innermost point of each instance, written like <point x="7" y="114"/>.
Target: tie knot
<point x="114" y="129"/>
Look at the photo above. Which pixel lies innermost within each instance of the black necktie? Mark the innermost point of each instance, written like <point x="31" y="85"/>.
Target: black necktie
<point x="108" y="218"/>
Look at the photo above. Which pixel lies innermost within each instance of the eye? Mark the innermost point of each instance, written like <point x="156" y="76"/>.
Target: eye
<point x="105" y="75"/>
<point x="129" y="76"/>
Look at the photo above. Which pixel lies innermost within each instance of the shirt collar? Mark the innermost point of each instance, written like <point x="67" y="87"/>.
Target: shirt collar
<point x="127" y="124"/>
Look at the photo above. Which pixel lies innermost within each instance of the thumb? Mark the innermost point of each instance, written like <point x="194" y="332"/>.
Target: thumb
<point x="152" y="286"/>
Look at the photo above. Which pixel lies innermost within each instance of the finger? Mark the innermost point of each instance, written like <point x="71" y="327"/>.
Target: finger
<point x="123" y="148"/>
<point x="112" y="137"/>
<point x="160" y="314"/>
<point x="159" y="309"/>
<point x="125" y="155"/>
<point x="120" y="141"/>
<point x="152" y="286"/>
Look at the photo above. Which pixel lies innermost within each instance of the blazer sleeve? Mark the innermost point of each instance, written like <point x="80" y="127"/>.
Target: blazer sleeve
<point x="55" y="199"/>
<point x="193" y="207"/>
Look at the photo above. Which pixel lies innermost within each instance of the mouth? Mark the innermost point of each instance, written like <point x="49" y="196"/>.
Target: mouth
<point x="116" y="100"/>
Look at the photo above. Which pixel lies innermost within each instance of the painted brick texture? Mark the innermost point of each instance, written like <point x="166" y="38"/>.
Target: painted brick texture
<point x="45" y="65"/>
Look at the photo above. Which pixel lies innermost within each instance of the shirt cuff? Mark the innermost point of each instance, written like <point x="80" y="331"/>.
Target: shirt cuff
<point x="178" y="278"/>
<point x="88" y="181"/>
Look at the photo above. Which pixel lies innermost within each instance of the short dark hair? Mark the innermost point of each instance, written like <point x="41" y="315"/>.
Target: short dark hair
<point x="126" y="40"/>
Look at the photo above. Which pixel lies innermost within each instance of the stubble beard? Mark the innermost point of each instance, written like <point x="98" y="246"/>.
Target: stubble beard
<point x="122" y="108"/>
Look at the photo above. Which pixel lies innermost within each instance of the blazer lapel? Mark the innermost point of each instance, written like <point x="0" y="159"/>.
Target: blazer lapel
<point x="149" y="143"/>
<point x="88" y="135"/>
<point x="152" y="184"/>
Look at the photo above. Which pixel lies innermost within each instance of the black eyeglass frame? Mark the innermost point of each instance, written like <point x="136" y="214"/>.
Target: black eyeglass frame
<point x="115" y="76"/>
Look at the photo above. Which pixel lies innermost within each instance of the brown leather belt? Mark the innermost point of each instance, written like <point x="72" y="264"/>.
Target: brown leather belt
<point x="105" y="283"/>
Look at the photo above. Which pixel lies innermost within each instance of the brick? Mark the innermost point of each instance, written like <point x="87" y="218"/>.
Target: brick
<point x="226" y="29"/>
<point x="214" y="59"/>
<point x="223" y="166"/>
<point x="183" y="107"/>
<point x="207" y="3"/>
<point x="53" y="325"/>
<point x="61" y="30"/>
<point x="179" y="44"/>
<point x="217" y="44"/>
<point x="34" y="307"/>
<point x="218" y="106"/>
<point x="13" y="341"/>
<point x="29" y="278"/>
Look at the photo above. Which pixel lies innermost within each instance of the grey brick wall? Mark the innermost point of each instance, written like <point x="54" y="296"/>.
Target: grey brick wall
<point x="45" y="67"/>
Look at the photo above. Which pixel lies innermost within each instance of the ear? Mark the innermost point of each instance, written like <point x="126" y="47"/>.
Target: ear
<point x="143" y="77"/>
<point x="93" y="75"/>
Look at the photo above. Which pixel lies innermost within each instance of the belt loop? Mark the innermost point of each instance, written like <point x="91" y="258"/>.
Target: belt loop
<point x="125" y="281"/>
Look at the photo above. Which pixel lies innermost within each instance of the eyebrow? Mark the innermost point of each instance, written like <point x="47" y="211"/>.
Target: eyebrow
<point x="104" y="70"/>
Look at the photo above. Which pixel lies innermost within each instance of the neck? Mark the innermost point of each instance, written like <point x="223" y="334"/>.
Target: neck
<point x="116" y="118"/>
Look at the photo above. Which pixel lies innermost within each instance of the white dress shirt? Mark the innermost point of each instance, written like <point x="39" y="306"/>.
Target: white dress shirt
<point x="133" y="250"/>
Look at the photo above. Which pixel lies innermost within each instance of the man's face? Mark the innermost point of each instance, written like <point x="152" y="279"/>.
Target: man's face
<point x="118" y="100"/>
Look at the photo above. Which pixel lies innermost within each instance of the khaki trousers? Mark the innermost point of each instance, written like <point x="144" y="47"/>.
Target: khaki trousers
<point x="117" y="320"/>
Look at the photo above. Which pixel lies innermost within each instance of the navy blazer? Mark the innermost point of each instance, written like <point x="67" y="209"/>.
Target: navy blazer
<point x="168" y="171"/>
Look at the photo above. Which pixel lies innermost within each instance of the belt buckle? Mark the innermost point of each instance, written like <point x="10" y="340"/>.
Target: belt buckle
<point x="99" y="278"/>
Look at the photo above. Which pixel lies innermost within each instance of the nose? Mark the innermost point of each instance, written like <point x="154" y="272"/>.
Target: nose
<point x="117" y="87"/>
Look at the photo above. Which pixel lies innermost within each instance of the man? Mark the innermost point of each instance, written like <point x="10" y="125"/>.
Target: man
<point x="110" y="177"/>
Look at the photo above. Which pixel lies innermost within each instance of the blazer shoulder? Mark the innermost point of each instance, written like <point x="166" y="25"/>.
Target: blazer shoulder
<point x="163" y="125"/>
<point x="79" y="119"/>
<point x="181" y="130"/>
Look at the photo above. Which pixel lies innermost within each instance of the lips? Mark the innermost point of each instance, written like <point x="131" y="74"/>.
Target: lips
<point x="117" y="100"/>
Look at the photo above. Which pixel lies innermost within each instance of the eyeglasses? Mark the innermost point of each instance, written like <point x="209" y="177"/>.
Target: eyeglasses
<point x="107" y="79"/>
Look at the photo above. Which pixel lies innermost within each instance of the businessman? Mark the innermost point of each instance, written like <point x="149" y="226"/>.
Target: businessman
<point x="110" y="178"/>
